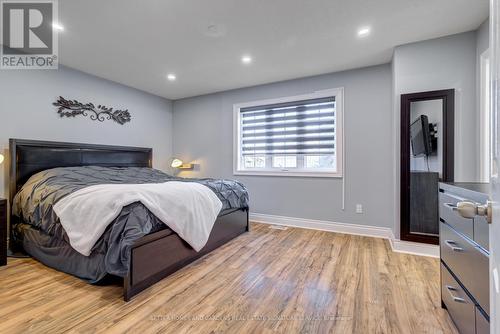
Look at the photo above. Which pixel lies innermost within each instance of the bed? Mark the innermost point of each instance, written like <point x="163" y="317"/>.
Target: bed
<point x="151" y="255"/>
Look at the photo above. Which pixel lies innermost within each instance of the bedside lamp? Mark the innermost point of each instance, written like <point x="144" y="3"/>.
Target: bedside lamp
<point x="1" y="158"/>
<point x="177" y="163"/>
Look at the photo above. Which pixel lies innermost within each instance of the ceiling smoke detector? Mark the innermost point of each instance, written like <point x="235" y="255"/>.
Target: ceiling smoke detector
<point x="215" y="30"/>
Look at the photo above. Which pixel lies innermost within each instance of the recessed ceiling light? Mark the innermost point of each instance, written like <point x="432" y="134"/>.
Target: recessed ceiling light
<point x="57" y="26"/>
<point x="246" y="60"/>
<point x="363" y="32"/>
<point x="171" y="77"/>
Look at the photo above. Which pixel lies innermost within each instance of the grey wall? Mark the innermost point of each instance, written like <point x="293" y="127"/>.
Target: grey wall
<point x="203" y="134"/>
<point x="26" y="111"/>
<point x="443" y="63"/>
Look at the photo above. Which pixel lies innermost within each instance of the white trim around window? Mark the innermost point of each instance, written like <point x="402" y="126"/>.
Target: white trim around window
<point x="299" y="170"/>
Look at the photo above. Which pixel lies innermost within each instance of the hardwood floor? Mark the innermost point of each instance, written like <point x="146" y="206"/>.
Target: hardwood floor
<point x="291" y="281"/>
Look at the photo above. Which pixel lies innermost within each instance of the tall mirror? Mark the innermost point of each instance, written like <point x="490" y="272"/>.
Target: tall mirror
<point x="427" y="158"/>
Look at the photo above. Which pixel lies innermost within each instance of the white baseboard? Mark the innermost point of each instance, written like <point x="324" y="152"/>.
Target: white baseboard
<point x="364" y="230"/>
<point x="355" y="229"/>
<point x="414" y="248"/>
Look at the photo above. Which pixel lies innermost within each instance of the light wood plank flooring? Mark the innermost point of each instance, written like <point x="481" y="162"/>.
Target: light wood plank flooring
<point x="292" y="281"/>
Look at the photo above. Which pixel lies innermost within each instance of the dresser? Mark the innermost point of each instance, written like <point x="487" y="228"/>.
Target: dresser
<point x="464" y="246"/>
<point x="3" y="232"/>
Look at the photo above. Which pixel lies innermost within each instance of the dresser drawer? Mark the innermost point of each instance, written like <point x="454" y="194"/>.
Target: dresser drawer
<point x="468" y="262"/>
<point x="448" y="213"/>
<point x="461" y="308"/>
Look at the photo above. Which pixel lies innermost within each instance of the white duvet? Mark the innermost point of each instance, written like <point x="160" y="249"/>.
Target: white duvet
<point x="188" y="208"/>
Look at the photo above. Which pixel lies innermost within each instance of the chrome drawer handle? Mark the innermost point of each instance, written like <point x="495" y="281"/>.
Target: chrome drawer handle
<point x="455" y="298"/>
<point x="453" y="245"/>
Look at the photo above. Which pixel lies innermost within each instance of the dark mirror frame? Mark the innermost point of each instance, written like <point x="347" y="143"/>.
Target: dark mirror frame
<point x="448" y="98"/>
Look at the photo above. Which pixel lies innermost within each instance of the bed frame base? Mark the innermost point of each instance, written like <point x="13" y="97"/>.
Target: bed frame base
<point x="158" y="255"/>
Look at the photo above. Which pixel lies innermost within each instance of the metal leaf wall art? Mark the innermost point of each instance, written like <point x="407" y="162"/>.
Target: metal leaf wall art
<point x="73" y="108"/>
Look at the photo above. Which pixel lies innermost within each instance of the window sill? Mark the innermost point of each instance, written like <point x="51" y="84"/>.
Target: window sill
<point x="289" y="174"/>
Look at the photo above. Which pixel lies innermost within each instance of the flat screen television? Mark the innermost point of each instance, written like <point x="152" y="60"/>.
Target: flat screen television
<point x="420" y="136"/>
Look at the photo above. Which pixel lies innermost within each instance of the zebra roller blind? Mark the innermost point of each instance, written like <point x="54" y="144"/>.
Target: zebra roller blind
<point x="304" y="127"/>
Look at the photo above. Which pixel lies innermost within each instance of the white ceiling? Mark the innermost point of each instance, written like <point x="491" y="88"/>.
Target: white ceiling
<point x="137" y="43"/>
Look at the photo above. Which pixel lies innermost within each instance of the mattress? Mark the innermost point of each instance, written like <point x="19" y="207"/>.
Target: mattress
<point x="42" y="236"/>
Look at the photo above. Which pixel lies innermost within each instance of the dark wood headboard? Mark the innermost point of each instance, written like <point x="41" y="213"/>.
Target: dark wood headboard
<point x="32" y="156"/>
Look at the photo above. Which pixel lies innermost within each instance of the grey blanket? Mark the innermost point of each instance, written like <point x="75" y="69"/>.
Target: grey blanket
<point x="42" y="234"/>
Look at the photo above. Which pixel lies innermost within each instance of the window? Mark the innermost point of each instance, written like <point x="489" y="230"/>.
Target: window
<point x="295" y="136"/>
